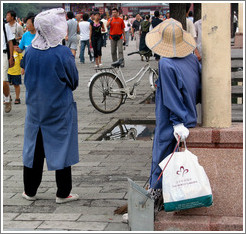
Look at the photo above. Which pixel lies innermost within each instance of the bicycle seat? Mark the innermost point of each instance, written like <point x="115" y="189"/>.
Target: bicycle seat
<point x="117" y="63"/>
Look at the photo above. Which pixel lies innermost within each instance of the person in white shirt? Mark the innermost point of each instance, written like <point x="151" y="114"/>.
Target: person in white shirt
<point x="8" y="61"/>
<point x="104" y="33"/>
<point x="15" y="27"/>
<point x="190" y="28"/>
<point x="128" y="26"/>
<point x="73" y="29"/>
<point x="84" y="27"/>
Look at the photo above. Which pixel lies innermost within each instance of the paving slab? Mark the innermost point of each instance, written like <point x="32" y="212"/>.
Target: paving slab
<point x="73" y="226"/>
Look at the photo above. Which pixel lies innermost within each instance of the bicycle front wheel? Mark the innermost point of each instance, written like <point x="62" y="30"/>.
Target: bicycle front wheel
<point x="105" y="93"/>
<point x="153" y="77"/>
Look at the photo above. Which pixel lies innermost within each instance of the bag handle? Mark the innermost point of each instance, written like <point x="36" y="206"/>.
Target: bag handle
<point x="168" y="161"/>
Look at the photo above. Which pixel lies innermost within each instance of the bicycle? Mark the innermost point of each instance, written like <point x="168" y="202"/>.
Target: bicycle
<point x="108" y="89"/>
<point x="121" y="132"/>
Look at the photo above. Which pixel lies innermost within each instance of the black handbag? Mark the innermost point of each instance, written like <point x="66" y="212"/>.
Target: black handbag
<point x="6" y="41"/>
<point x="116" y="37"/>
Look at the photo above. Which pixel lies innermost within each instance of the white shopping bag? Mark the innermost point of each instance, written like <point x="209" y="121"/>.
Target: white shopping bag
<point x="185" y="184"/>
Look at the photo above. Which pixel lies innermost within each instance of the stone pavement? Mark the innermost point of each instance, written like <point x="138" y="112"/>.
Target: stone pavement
<point x="100" y="178"/>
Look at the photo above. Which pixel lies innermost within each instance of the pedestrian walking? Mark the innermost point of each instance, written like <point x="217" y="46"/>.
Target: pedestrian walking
<point x="117" y="35"/>
<point x="135" y="30"/>
<point x="92" y="16"/>
<point x="73" y="29"/>
<point x="167" y="15"/>
<point x="20" y="23"/>
<point x="144" y="29"/>
<point x="14" y="73"/>
<point x="77" y="18"/>
<point x="128" y="26"/>
<point x="24" y="25"/>
<point x="15" y="27"/>
<point x="131" y="22"/>
<point x="190" y="28"/>
<point x="8" y="62"/>
<point x="155" y="21"/>
<point x="178" y="91"/>
<point x="104" y="33"/>
<point x="96" y="40"/>
<point x="84" y="28"/>
<point x="51" y="128"/>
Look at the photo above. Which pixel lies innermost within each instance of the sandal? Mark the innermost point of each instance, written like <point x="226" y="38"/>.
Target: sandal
<point x="17" y="101"/>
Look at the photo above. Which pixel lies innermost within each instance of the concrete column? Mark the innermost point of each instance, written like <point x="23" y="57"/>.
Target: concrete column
<point x="240" y="17"/>
<point x="216" y="65"/>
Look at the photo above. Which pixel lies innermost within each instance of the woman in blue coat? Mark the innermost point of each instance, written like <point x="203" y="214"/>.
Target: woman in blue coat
<point x="51" y="129"/>
<point x="178" y="92"/>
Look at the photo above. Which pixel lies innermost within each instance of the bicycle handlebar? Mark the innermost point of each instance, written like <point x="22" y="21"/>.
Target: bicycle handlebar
<point x="138" y="52"/>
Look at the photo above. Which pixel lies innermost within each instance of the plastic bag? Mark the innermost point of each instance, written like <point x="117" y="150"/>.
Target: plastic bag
<point x="91" y="50"/>
<point x="185" y="184"/>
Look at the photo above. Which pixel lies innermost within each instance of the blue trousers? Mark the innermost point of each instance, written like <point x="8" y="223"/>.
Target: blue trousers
<point x="104" y="43"/>
<point x="82" y="51"/>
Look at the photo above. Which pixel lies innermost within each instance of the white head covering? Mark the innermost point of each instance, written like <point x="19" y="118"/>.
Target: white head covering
<point x="51" y="28"/>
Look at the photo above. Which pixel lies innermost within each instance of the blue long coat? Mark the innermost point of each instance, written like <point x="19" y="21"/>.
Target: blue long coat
<point x="178" y="92"/>
<point x="50" y="77"/>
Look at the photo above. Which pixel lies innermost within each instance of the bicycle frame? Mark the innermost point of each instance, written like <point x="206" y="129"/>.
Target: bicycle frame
<point x="143" y="70"/>
<point x="129" y="91"/>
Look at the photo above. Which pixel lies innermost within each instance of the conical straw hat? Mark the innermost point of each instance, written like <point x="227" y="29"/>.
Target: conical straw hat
<point x="168" y="39"/>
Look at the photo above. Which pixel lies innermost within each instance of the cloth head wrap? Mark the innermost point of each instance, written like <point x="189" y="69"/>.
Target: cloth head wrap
<point x="51" y="28"/>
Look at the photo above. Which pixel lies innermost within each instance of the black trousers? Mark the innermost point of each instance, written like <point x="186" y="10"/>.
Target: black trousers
<point x="33" y="176"/>
<point x="97" y="46"/>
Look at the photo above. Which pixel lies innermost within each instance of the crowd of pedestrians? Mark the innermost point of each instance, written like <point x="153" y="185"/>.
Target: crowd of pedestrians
<point x="91" y="30"/>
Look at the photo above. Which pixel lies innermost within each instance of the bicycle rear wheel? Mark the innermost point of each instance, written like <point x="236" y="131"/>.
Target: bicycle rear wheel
<point x="105" y="94"/>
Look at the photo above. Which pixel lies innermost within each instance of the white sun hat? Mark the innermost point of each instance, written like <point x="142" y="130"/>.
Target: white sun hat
<point x="168" y="39"/>
<point x="51" y="28"/>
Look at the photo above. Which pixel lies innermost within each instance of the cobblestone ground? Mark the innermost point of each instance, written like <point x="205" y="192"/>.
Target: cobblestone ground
<point x="100" y="178"/>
